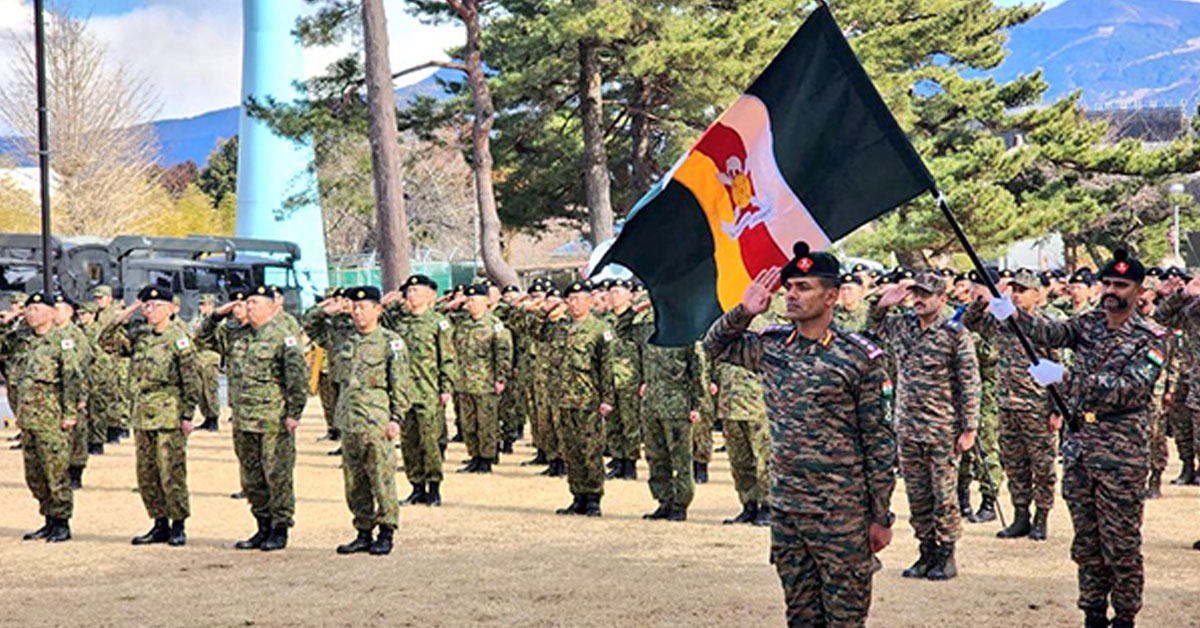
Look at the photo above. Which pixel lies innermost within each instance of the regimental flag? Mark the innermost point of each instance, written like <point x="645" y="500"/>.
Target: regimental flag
<point x="809" y="152"/>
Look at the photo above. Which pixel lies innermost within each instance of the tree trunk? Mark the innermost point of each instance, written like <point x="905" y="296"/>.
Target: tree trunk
<point x="595" y="177"/>
<point x="385" y="150"/>
<point x="481" y="163"/>
<point x="643" y="171"/>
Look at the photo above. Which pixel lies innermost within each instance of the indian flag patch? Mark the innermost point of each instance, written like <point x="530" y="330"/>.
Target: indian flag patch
<point x="290" y="341"/>
<point x="888" y="388"/>
<point x="182" y="344"/>
<point x="1156" y="357"/>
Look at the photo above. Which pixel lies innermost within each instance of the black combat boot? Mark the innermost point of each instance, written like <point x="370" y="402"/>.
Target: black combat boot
<point x="472" y="466"/>
<point x="1096" y="617"/>
<point x="382" y="545"/>
<point x="418" y="495"/>
<point x="1121" y="623"/>
<point x="616" y="469"/>
<point x="700" y="472"/>
<point x="763" y="517"/>
<point x="41" y="532"/>
<point x="112" y="435"/>
<point x="237" y="495"/>
<point x="76" y="475"/>
<point x="277" y="540"/>
<point x="210" y="424"/>
<point x="1020" y="525"/>
<point x="591" y="505"/>
<point x="506" y="447"/>
<point x="558" y="468"/>
<point x="677" y="514"/>
<point x="748" y="514"/>
<point x="178" y="536"/>
<point x="256" y="541"/>
<point x="96" y="449"/>
<point x="986" y="512"/>
<point x="540" y="458"/>
<point x="576" y="508"/>
<point x="335" y="452"/>
<point x="660" y="513"/>
<point x="1154" y="485"/>
<point x="943" y="567"/>
<point x="920" y="568"/>
<point x="1196" y="545"/>
<point x="458" y="438"/>
<point x="60" y="531"/>
<point x="630" y="469"/>
<point x="1186" y="476"/>
<point x="157" y="534"/>
<point x="1038" y="531"/>
<point x="485" y="466"/>
<point x="434" y="496"/>
<point x="964" y="500"/>
<point x="361" y="543"/>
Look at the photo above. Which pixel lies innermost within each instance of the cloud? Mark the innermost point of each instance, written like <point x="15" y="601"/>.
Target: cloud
<point x="190" y="52"/>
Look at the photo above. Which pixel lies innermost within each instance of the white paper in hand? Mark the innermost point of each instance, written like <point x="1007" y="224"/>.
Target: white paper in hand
<point x="1046" y="372"/>
<point x="1002" y="308"/>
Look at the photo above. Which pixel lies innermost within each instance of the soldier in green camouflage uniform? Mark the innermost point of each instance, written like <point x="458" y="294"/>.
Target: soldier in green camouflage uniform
<point x="97" y="402"/>
<point x="167" y="383"/>
<point x="1027" y="432"/>
<point x="427" y="335"/>
<point x="702" y="438"/>
<point x="743" y="417"/>
<point x="325" y="387"/>
<point x="227" y="331"/>
<point x="583" y="393"/>
<point x="1117" y="358"/>
<point x="1183" y="401"/>
<point x="210" y="368"/>
<point x="329" y="325"/>
<point x="832" y="453"/>
<point x="43" y="374"/>
<point x="82" y="352"/>
<point x="672" y="392"/>
<point x="850" y="313"/>
<point x="113" y="383"/>
<point x="483" y="348"/>
<point x="623" y="424"/>
<point x="511" y="410"/>
<point x="937" y="413"/>
<point x="370" y="410"/>
<point x="271" y="393"/>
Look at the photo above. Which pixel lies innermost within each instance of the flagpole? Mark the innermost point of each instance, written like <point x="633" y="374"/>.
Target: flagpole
<point x="944" y="205"/>
<point x="39" y="37"/>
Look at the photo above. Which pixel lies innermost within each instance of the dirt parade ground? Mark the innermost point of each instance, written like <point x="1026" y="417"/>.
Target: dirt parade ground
<point x="496" y="555"/>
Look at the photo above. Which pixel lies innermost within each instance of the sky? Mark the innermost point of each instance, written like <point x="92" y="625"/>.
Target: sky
<point x="190" y="50"/>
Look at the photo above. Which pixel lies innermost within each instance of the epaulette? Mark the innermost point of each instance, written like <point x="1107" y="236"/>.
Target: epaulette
<point x="953" y="325"/>
<point x="776" y="329"/>
<point x="1155" y="330"/>
<point x="872" y="350"/>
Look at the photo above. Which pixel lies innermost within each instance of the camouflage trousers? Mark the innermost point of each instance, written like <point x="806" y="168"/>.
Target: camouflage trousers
<point x="98" y="422"/>
<point x="551" y="432"/>
<point x="1027" y="451"/>
<point x="825" y="565"/>
<point x="930" y="472"/>
<point x="46" y="456"/>
<point x="162" y="473"/>
<point x="970" y="468"/>
<point x="420" y="437"/>
<point x="583" y="450"/>
<point x="537" y="431"/>
<point x="480" y="425"/>
<point x="623" y="430"/>
<point x="669" y="456"/>
<point x="511" y="410"/>
<point x="210" y="380"/>
<point x="749" y="445"/>
<point x="328" y="392"/>
<point x="79" y="437"/>
<point x="122" y="403"/>
<point x="268" y="466"/>
<point x="1106" y="511"/>
<point x="702" y="436"/>
<point x="1185" y="423"/>
<point x="369" y="468"/>
<point x="1158" y="440"/>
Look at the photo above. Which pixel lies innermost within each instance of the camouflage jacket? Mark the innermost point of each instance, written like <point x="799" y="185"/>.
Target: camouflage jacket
<point x="582" y="351"/>
<point x="739" y="391"/>
<point x="164" y="376"/>
<point x="16" y="337"/>
<point x="1180" y="312"/>
<point x="626" y="357"/>
<point x="331" y="332"/>
<point x="483" y="350"/>
<point x="525" y="346"/>
<point x="228" y="337"/>
<point x="50" y="386"/>
<point x="673" y="375"/>
<point x="938" y="387"/>
<point x="83" y="354"/>
<point x="1111" y="382"/>
<point x="1015" y="388"/>
<point x="274" y="380"/>
<point x="832" y="449"/>
<point x="855" y="321"/>
<point x="376" y="389"/>
<point x="430" y="352"/>
<point x="103" y="365"/>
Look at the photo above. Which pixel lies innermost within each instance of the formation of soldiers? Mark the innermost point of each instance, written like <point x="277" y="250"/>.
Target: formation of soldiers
<point x="824" y="397"/>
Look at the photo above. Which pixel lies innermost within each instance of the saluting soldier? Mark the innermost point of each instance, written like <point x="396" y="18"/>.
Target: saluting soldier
<point x="370" y="410"/>
<point x="113" y="383"/>
<point x="328" y="324"/>
<point x="82" y="351"/>
<point x="483" y="348"/>
<point x="1182" y="400"/>
<point x="1117" y="358"/>
<point x="624" y="422"/>
<point x="832" y="453"/>
<point x="166" y="386"/>
<point x="850" y="313"/>
<point x="210" y="367"/>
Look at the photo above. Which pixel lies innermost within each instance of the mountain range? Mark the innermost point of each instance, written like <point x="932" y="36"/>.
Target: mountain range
<point x="1120" y="53"/>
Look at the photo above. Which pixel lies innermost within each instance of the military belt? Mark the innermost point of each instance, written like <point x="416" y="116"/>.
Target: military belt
<point x="1092" y="417"/>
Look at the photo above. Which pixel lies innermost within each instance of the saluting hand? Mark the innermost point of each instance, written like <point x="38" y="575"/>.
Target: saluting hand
<point x="130" y="310"/>
<point x="391" y="297"/>
<point x="757" y="297"/>
<point x="225" y="309"/>
<point x="894" y="294"/>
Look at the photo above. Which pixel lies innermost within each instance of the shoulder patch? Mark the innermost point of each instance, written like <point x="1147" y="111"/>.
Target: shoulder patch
<point x="1156" y="356"/>
<point x="396" y="344"/>
<point x="873" y="351"/>
<point x="290" y="341"/>
<point x="443" y="324"/>
<point x="68" y="344"/>
<point x="953" y="325"/>
<point x="182" y="343"/>
<point x="776" y="330"/>
<point x="498" y="327"/>
<point x="608" y="337"/>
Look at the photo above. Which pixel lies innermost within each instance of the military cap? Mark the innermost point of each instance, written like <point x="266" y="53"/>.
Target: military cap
<point x="38" y="298"/>
<point x="1122" y="266"/>
<point x="1007" y="273"/>
<point x="886" y="279"/>
<point x="511" y="289"/>
<point x="208" y="299"/>
<point x="577" y="287"/>
<point x="851" y="278"/>
<point x="475" y="290"/>
<point x="607" y="284"/>
<point x="88" y="306"/>
<point x="1154" y="271"/>
<point x="945" y="273"/>
<point x="905" y="273"/>
<point x="364" y="293"/>
<point x="1084" y="276"/>
<point x="1026" y="279"/>
<point x="240" y="294"/>
<point x="1176" y="271"/>
<point x="993" y="274"/>
<point x="808" y="263"/>
<point x="269" y="292"/>
<point x="421" y="280"/>
<point x="155" y="293"/>
<point x="621" y="283"/>
<point x="102" y="291"/>
<point x="962" y="277"/>
<point x="638" y="286"/>
<point x="553" y="292"/>
<point x="858" y="268"/>
<point x="331" y="291"/>
<point x="929" y="281"/>
<point x="874" y="273"/>
<point x="1058" y="273"/>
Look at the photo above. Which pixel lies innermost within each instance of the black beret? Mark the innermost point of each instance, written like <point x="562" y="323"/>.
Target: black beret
<point x="1176" y="271"/>
<point x="577" y="287"/>
<point x="1122" y="266"/>
<point x="553" y="292"/>
<point x="62" y="299"/>
<point x="364" y="293"/>
<point x="38" y="297"/>
<point x="421" y="280"/>
<point x="476" y="290"/>
<point x="874" y="273"/>
<point x="1154" y="271"/>
<point x="241" y="293"/>
<point x="155" y="293"/>
<point x="962" y="277"/>
<point x="807" y="263"/>
<point x="946" y="272"/>
<point x="511" y="289"/>
<point x="264" y="291"/>
<point x="991" y="271"/>
<point x="1007" y="273"/>
<point x="858" y="268"/>
<point x="851" y="278"/>
<point x="1083" y="275"/>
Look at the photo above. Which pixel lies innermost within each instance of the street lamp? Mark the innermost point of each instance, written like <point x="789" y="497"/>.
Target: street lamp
<point x="1176" y="189"/>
